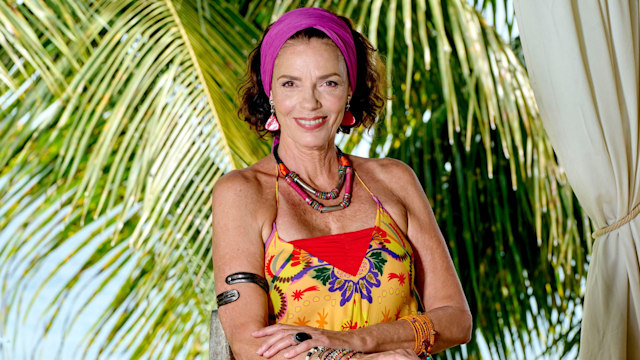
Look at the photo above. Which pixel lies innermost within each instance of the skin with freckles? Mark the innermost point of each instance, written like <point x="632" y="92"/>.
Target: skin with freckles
<point x="310" y="89"/>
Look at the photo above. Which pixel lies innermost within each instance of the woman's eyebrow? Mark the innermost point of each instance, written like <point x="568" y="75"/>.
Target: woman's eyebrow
<point x="329" y="75"/>
<point x="291" y="77"/>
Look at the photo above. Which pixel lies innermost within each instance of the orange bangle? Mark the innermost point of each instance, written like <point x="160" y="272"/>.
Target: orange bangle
<point x="424" y="332"/>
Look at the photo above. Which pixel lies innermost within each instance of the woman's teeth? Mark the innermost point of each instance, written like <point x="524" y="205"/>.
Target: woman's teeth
<point x="311" y="122"/>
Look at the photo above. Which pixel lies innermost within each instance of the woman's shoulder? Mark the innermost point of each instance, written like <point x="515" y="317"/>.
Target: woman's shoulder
<point x="393" y="183"/>
<point x="245" y="185"/>
<point x="390" y="171"/>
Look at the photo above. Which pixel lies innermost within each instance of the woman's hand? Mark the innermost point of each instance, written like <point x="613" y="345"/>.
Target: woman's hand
<point x="280" y="336"/>
<point x="401" y="354"/>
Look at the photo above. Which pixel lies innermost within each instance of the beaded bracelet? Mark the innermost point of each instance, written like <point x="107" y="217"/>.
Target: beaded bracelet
<point x="335" y="354"/>
<point x="324" y="353"/>
<point x="424" y="332"/>
<point x="315" y="350"/>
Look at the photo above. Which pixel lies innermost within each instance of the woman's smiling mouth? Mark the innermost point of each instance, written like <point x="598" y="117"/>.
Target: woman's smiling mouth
<point x="311" y="123"/>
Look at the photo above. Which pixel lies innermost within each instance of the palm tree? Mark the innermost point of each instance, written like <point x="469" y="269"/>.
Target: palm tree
<point x="119" y="116"/>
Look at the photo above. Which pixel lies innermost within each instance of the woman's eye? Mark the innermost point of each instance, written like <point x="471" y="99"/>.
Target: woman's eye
<point x="331" y="83"/>
<point x="287" y="83"/>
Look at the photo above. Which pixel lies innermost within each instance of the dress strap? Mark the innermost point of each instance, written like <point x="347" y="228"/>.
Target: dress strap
<point x="366" y="187"/>
<point x="273" y="224"/>
<point x="277" y="195"/>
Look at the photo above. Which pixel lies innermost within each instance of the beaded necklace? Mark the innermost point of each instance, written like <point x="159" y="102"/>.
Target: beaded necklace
<point x="294" y="180"/>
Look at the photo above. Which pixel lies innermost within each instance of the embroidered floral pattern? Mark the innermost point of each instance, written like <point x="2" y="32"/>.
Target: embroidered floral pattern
<point x="349" y="285"/>
<point x="279" y="301"/>
<point x="302" y="321"/>
<point x="400" y="277"/>
<point x="267" y="267"/>
<point x="307" y="290"/>
<point x="380" y="237"/>
<point x="299" y="256"/>
<point x="386" y="316"/>
<point x="349" y="325"/>
<point x="297" y="294"/>
<point x="322" y="319"/>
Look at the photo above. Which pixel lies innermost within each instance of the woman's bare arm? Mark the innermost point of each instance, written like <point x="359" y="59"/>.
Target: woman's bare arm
<point x="238" y="246"/>
<point x="436" y="279"/>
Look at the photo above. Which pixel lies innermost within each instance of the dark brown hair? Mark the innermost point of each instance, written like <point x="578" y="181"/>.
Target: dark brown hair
<point x="366" y="102"/>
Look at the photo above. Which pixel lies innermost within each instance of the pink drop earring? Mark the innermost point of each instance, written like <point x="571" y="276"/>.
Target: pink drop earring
<point x="272" y="124"/>
<point x="348" y="119"/>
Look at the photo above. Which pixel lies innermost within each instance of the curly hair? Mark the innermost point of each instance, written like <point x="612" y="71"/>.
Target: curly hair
<point x="367" y="101"/>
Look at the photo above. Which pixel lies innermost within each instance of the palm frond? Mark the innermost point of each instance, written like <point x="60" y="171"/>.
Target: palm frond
<point x="129" y="113"/>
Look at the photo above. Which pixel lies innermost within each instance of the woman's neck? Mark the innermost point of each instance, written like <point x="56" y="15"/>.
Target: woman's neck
<point x="316" y="166"/>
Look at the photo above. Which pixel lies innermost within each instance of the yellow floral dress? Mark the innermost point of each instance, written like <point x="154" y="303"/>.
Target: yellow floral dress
<point x="342" y="281"/>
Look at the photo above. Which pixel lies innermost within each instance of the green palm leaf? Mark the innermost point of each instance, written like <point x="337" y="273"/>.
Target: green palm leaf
<point x="119" y="116"/>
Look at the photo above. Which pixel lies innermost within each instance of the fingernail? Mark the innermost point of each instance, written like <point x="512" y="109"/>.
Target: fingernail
<point x="287" y="355"/>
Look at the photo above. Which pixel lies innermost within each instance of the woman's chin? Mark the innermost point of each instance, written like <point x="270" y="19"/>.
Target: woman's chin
<point x="315" y="140"/>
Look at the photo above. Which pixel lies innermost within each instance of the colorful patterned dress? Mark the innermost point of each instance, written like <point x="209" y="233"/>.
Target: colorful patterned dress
<point x="342" y="281"/>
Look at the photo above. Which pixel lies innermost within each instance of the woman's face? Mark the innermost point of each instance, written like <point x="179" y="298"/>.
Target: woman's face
<point x="310" y="86"/>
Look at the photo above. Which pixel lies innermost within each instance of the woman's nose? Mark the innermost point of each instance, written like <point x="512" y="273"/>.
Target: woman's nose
<point x="310" y="98"/>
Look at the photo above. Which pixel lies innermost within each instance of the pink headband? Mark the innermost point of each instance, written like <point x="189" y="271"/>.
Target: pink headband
<point x="300" y="19"/>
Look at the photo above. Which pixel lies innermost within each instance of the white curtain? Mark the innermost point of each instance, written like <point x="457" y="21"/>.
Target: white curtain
<point x="583" y="59"/>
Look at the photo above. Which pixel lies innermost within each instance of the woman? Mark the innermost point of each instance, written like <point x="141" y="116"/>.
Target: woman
<point x="368" y="250"/>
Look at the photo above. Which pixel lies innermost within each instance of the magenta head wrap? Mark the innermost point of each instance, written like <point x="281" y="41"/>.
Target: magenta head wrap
<point x="300" y="19"/>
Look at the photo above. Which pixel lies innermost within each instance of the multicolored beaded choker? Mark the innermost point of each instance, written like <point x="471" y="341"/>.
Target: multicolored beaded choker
<point x="294" y="180"/>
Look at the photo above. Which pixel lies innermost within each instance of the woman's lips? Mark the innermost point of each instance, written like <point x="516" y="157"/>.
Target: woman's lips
<point x="311" y="123"/>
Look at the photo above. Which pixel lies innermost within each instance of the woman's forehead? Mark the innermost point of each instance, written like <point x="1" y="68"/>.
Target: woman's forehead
<point x="308" y="43"/>
<point x="300" y="50"/>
